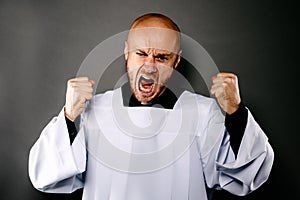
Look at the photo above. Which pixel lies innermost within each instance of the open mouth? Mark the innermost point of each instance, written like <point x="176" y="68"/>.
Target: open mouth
<point x="146" y="85"/>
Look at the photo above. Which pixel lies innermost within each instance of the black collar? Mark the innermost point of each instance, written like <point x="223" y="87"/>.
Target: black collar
<point x="166" y="100"/>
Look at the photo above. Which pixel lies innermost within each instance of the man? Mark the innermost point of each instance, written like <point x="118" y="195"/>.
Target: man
<point x="211" y="152"/>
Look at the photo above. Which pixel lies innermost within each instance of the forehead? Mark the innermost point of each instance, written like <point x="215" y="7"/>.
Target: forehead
<point x="162" y="39"/>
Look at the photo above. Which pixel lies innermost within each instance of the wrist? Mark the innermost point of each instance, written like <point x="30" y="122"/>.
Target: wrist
<point x="68" y="115"/>
<point x="232" y="110"/>
<point x="241" y="108"/>
<point x="233" y="107"/>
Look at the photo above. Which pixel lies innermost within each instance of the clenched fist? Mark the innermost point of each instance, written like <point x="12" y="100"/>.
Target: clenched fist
<point x="79" y="90"/>
<point x="226" y="89"/>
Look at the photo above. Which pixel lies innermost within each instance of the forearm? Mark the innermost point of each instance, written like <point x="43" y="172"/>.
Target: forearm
<point x="235" y="125"/>
<point x="240" y="173"/>
<point x="52" y="158"/>
<point x="251" y="166"/>
<point x="71" y="129"/>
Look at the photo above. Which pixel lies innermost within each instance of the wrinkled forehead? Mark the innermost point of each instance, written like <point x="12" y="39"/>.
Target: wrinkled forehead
<point x="154" y="38"/>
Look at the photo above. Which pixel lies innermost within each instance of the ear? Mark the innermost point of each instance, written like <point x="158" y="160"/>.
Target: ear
<point x="178" y="59"/>
<point x="126" y="50"/>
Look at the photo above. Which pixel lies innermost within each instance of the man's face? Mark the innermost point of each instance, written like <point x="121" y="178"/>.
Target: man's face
<point x="151" y="55"/>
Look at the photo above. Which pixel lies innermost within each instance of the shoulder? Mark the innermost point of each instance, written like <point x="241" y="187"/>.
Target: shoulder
<point x="102" y="100"/>
<point x="203" y="103"/>
<point x="103" y="96"/>
<point x="207" y="107"/>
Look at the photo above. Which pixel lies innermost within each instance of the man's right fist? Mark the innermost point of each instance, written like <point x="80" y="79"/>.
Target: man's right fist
<point x="79" y="90"/>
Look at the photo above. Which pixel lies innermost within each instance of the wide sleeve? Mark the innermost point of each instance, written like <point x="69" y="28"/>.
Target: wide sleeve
<point x="55" y="165"/>
<point x="222" y="170"/>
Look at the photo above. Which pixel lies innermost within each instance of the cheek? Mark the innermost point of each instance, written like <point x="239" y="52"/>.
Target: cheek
<point x="165" y="73"/>
<point x="132" y="70"/>
<point x="132" y="73"/>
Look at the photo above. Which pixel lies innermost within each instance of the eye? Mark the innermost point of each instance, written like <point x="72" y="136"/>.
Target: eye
<point x="140" y="53"/>
<point x="162" y="58"/>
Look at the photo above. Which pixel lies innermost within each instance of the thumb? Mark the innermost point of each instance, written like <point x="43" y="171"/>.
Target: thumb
<point x="92" y="82"/>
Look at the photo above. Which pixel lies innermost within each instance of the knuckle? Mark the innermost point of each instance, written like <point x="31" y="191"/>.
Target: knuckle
<point x="89" y="96"/>
<point x="69" y="82"/>
<point x="82" y="99"/>
<point x="73" y="84"/>
<point x="71" y="79"/>
<point x="234" y="76"/>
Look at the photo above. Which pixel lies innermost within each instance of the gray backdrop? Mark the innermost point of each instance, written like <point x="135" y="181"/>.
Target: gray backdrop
<point x="42" y="44"/>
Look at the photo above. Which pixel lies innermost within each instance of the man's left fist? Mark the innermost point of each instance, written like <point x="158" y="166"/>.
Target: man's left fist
<point x="226" y="89"/>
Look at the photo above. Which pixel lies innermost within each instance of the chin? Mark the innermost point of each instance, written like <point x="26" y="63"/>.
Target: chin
<point x="144" y="98"/>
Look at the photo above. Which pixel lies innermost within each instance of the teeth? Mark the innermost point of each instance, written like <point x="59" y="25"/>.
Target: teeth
<point x="147" y="79"/>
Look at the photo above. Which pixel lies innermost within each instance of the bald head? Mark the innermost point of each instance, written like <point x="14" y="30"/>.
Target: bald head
<point x="154" y="30"/>
<point x="154" y="20"/>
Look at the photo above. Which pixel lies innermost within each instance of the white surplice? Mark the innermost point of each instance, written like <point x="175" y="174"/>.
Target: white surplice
<point x="148" y="153"/>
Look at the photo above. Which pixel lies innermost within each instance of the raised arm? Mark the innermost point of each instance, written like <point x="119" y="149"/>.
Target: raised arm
<point x="55" y="163"/>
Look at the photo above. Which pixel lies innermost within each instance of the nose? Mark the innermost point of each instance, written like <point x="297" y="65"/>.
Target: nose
<point x="149" y="65"/>
<point x="150" y="68"/>
<point x="149" y="60"/>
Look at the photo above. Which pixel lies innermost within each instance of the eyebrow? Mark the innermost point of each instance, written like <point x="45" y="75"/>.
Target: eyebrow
<point x="163" y="54"/>
<point x="158" y="54"/>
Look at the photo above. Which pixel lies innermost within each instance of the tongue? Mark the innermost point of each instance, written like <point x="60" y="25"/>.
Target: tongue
<point x="146" y="83"/>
